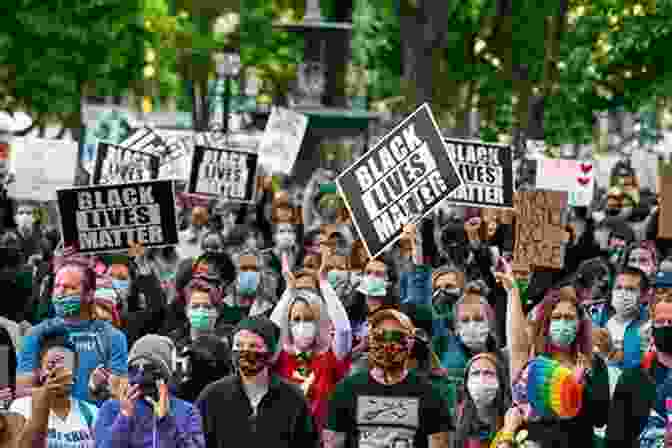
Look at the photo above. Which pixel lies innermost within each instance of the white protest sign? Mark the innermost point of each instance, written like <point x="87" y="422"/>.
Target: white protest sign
<point x="41" y="167"/>
<point x="575" y="177"/>
<point x="282" y="140"/>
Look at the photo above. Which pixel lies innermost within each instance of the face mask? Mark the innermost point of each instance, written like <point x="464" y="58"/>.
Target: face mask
<point x="613" y="211"/>
<point x="146" y="377"/>
<point x="624" y="301"/>
<point x="446" y="296"/>
<point x="23" y="221"/>
<point x="248" y="283"/>
<point x="67" y="306"/>
<point x="373" y="286"/>
<point x="201" y="319"/>
<point x="285" y="240"/>
<point x="303" y="334"/>
<point x="563" y="332"/>
<point x="662" y="337"/>
<point x="615" y="254"/>
<point x="474" y="335"/>
<point x="388" y="353"/>
<point x="482" y="393"/>
<point x="338" y="278"/>
<point x="120" y="285"/>
<point x="250" y="363"/>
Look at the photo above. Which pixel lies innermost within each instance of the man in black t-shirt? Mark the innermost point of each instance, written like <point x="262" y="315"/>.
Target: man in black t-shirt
<point x="387" y="403"/>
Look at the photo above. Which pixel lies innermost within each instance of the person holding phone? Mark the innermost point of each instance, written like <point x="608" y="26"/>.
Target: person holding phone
<point x="51" y="415"/>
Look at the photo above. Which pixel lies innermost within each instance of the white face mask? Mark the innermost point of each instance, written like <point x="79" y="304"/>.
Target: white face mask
<point x="474" y="334"/>
<point x="482" y="393"/>
<point x="624" y="301"/>
<point x="304" y="334"/>
<point x="23" y="221"/>
<point x="285" y="240"/>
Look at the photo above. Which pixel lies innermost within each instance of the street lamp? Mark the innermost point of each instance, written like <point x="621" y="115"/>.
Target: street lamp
<point x="227" y="67"/>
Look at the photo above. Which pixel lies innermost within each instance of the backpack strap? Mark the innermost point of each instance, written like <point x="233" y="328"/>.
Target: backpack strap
<point x="104" y="341"/>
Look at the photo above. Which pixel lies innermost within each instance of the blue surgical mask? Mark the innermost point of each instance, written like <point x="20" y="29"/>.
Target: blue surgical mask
<point x="248" y="282"/>
<point x="337" y="278"/>
<point x="563" y="332"/>
<point x="67" y="306"/>
<point x="120" y="285"/>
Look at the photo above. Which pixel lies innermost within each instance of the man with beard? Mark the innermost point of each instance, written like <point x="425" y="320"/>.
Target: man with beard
<point x="389" y="399"/>
<point x="253" y="407"/>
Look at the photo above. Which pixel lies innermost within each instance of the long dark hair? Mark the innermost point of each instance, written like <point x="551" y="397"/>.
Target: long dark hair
<point x="468" y="420"/>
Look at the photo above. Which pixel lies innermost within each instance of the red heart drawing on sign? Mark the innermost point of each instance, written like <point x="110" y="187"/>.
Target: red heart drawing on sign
<point x="586" y="167"/>
<point x="583" y="180"/>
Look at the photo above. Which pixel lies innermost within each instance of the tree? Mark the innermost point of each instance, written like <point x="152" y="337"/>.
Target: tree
<point x="51" y="56"/>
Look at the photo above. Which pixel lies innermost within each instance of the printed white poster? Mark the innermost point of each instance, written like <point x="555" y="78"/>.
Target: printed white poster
<point x="282" y="140"/>
<point x="41" y="167"/>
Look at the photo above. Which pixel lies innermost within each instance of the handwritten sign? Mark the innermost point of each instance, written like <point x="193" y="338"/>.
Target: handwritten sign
<point x="575" y="177"/>
<point x="540" y="229"/>
<point x="282" y="140"/>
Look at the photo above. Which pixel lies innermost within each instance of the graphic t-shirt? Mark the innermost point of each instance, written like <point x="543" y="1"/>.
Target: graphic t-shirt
<point x="74" y="431"/>
<point x="95" y="344"/>
<point x="373" y="415"/>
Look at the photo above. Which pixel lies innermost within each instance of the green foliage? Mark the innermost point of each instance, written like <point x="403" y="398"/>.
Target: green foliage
<point x="50" y="49"/>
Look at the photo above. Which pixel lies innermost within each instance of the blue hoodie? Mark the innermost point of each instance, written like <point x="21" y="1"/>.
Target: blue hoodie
<point x="181" y="428"/>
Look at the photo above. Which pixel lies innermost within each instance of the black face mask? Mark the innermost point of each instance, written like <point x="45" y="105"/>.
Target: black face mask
<point x="662" y="337"/>
<point x="146" y="377"/>
<point x="445" y="296"/>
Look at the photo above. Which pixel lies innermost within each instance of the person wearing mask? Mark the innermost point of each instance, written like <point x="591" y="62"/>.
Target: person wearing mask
<point x="562" y="332"/>
<point x="43" y="276"/>
<point x="11" y="422"/>
<point x="253" y="407"/>
<point x="28" y="231"/>
<point x="638" y="413"/>
<point x="364" y="409"/>
<point x="15" y="280"/>
<point x="98" y="343"/>
<point x="629" y="327"/>
<point x="316" y="340"/>
<point x="147" y="415"/>
<point x="475" y="330"/>
<point x="487" y="399"/>
<point x="52" y="414"/>
<point x="592" y="283"/>
<point x="339" y="275"/>
<point x="285" y="254"/>
<point x="249" y="295"/>
<point x="191" y="238"/>
<point x="207" y="360"/>
<point x="447" y="287"/>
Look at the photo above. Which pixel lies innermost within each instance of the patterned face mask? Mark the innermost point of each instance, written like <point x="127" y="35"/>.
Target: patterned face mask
<point x="388" y="349"/>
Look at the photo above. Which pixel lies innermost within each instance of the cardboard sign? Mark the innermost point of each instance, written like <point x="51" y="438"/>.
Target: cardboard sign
<point x="104" y="218"/>
<point x="41" y="167"/>
<point x="282" y="140"/>
<point x="145" y="140"/>
<point x="117" y="165"/>
<point x="665" y="213"/>
<point x="227" y="174"/>
<point x="487" y="172"/>
<point x="399" y="181"/>
<point x="540" y="229"/>
<point x="576" y="177"/>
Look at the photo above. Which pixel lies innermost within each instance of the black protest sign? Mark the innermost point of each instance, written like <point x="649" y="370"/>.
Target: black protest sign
<point x="117" y="165"/>
<point x="487" y="172"/>
<point x="104" y="218"/>
<point x="398" y="181"/>
<point x="228" y="174"/>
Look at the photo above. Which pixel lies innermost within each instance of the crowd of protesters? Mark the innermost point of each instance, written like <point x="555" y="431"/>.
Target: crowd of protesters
<point x="269" y="326"/>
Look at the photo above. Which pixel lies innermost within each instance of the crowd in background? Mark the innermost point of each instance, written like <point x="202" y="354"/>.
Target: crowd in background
<point x="269" y="325"/>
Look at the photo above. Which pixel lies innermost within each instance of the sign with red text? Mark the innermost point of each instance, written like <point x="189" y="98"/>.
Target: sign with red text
<point x="398" y="181"/>
<point x="576" y="177"/>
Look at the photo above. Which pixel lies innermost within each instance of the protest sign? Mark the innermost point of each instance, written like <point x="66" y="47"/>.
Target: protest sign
<point x="540" y="229"/>
<point x="228" y="174"/>
<point x="487" y="172"/>
<point x="282" y="140"/>
<point x="399" y="181"/>
<point x="664" y="190"/>
<point x="576" y="177"/>
<point x="104" y="218"/>
<point x="41" y="167"/>
<point x="117" y="165"/>
<point x="145" y="140"/>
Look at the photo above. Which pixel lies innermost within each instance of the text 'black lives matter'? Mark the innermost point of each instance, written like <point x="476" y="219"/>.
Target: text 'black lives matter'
<point x="487" y="172"/>
<point x="227" y="174"/>
<point x="116" y="165"/>
<point x="104" y="218"/>
<point x="398" y="181"/>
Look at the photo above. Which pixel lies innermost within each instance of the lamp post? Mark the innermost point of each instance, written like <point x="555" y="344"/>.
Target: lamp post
<point x="227" y="67"/>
